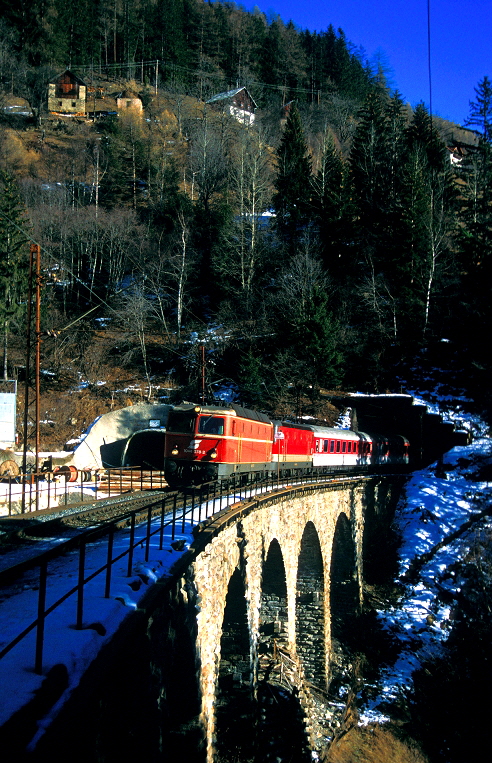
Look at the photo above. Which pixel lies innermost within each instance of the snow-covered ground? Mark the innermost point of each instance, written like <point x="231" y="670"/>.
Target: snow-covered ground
<point x="63" y="643"/>
<point x="436" y="503"/>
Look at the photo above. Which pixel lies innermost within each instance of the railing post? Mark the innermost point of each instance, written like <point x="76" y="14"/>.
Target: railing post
<point x="192" y="505"/>
<point x="200" y="501"/>
<point x="131" y="547"/>
<point x="147" y="539"/>
<point x="161" y="534"/>
<point x="184" y="512"/>
<point x="173" y="530"/>
<point x="80" y="587"/>
<point x="43" y="576"/>
<point x="109" y="562"/>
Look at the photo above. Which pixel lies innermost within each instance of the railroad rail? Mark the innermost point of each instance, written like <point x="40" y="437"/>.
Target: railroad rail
<point x="160" y="517"/>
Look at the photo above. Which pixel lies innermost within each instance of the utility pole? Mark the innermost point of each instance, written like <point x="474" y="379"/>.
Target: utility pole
<point x="203" y="373"/>
<point x="38" y="350"/>
<point x="26" y="380"/>
<point x="34" y="265"/>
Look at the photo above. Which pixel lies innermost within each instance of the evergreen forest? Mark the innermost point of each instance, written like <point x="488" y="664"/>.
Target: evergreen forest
<point x="324" y="246"/>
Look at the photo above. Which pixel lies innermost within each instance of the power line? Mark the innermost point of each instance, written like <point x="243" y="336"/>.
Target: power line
<point x="429" y="55"/>
<point x="192" y="72"/>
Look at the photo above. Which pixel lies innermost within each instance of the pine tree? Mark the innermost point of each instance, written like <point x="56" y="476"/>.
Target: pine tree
<point x="481" y="109"/>
<point x="475" y="234"/>
<point x="427" y="223"/>
<point x="369" y="177"/>
<point x="330" y="202"/>
<point x="291" y="199"/>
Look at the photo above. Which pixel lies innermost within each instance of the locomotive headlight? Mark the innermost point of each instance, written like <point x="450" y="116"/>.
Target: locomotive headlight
<point x="197" y="409"/>
<point x="213" y="453"/>
<point x="175" y="451"/>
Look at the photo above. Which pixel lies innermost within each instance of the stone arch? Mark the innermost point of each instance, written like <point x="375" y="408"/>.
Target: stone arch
<point x="344" y="597"/>
<point x="310" y="618"/>
<point x="273" y="605"/>
<point x="344" y="589"/>
<point x="234" y="698"/>
<point x="380" y="540"/>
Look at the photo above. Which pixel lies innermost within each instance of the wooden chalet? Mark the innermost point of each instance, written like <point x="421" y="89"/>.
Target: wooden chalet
<point x="238" y="103"/>
<point x="67" y="95"/>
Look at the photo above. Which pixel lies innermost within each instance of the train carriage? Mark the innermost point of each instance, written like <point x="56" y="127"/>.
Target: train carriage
<point x="292" y="446"/>
<point x="336" y="447"/>
<point x="206" y="442"/>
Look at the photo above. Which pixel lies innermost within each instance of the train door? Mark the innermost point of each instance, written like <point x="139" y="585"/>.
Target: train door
<point x="240" y="431"/>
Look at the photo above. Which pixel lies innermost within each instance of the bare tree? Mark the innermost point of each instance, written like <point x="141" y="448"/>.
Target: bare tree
<point x="243" y="242"/>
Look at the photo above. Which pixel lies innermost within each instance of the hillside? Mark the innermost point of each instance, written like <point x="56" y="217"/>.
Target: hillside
<point x="300" y="232"/>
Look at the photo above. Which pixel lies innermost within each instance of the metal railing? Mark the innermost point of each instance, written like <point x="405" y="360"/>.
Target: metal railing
<point x="27" y="493"/>
<point x="166" y="516"/>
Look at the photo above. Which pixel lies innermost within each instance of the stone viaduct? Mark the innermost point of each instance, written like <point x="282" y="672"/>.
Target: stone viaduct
<point x="250" y="631"/>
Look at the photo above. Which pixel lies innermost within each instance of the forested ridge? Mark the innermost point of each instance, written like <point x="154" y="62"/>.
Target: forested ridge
<point x="323" y="247"/>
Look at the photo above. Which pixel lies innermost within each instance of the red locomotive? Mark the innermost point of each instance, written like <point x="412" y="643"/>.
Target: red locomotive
<point x="204" y="442"/>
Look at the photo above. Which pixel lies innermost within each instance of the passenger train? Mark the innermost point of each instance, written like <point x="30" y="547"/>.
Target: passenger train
<point x="206" y="442"/>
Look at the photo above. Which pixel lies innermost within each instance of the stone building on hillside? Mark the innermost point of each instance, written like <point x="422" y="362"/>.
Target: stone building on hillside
<point x="128" y="101"/>
<point x="67" y="95"/>
<point x="238" y="103"/>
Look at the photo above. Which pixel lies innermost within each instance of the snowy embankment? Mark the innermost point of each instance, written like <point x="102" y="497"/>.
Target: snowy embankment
<point x="440" y="512"/>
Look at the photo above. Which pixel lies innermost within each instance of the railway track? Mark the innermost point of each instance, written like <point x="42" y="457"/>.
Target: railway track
<point x="60" y="557"/>
<point x="25" y="537"/>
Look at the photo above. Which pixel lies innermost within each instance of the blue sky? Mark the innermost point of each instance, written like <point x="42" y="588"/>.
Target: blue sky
<point x="461" y="42"/>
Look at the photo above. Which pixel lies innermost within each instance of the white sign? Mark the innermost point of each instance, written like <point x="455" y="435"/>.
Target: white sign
<point x="154" y="423"/>
<point x="7" y="416"/>
<point x="279" y="436"/>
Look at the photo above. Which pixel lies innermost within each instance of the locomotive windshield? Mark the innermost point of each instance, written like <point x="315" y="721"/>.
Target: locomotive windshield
<point x="211" y="425"/>
<point x="181" y="422"/>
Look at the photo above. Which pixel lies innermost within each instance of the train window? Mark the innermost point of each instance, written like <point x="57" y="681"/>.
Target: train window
<point x="211" y="425"/>
<point x="181" y="422"/>
<point x="338" y="446"/>
<point x="332" y="446"/>
<point x="344" y="447"/>
<point x="349" y="447"/>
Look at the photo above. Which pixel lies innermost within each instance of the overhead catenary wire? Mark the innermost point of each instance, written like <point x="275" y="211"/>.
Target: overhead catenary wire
<point x="429" y="66"/>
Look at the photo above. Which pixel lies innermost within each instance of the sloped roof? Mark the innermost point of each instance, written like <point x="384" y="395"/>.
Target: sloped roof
<point x="228" y="94"/>
<point x="71" y="75"/>
<point x="130" y="94"/>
